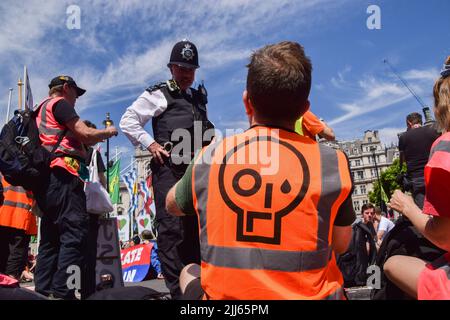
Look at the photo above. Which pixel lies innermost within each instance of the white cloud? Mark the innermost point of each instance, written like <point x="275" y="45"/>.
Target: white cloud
<point x="430" y="74"/>
<point x="339" y="81"/>
<point x="389" y="136"/>
<point x="374" y="94"/>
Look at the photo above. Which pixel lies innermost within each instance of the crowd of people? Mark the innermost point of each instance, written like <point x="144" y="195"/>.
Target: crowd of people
<point x="283" y="229"/>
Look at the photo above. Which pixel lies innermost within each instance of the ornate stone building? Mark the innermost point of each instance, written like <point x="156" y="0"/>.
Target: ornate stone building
<point x="366" y="156"/>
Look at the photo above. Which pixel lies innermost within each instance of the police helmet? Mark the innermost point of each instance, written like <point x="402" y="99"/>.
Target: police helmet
<point x="184" y="54"/>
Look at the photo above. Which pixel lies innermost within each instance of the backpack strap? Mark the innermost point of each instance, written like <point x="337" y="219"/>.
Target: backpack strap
<point x="60" y="137"/>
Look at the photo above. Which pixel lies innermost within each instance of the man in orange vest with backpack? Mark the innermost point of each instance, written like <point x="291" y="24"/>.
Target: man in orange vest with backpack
<point x="64" y="224"/>
<point x="17" y="225"/>
<point x="273" y="206"/>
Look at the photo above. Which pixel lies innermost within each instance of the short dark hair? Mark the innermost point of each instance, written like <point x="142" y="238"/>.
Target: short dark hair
<point x="414" y="118"/>
<point x="367" y="206"/>
<point x="279" y="80"/>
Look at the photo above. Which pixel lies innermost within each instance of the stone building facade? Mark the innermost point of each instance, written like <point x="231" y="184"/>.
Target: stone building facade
<point x="366" y="156"/>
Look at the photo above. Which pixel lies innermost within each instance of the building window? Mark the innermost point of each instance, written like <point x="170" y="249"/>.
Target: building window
<point x="355" y="150"/>
<point x="360" y="174"/>
<point x="355" y="192"/>
<point x="370" y="139"/>
<point x="356" y="205"/>
<point x="363" y="189"/>
<point x="357" y="163"/>
<point x="365" y="202"/>
<point x="374" y="172"/>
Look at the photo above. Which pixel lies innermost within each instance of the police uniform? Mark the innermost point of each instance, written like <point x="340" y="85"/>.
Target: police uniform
<point x="171" y="108"/>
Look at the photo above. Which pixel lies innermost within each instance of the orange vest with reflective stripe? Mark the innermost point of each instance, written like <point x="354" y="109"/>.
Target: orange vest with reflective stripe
<point x="49" y="131"/>
<point x="267" y="200"/>
<point x="16" y="209"/>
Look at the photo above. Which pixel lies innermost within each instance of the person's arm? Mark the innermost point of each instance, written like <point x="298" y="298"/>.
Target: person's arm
<point x="341" y="238"/>
<point x="171" y="203"/>
<point x="342" y="229"/>
<point x="434" y="228"/>
<point x="89" y="135"/>
<point x="146" y="106"/>
<point x="179" y="200"/>
<point x="327" y="133"/>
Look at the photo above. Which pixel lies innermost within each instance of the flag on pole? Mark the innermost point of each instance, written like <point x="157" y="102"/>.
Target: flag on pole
<point x="145" y="193"/>
<point x="130" y="182"/>
<point x="384" y="197"/>
<point x="28" y="94"/>
<point x="114" y="185"/>
<point x="150" y="202"/>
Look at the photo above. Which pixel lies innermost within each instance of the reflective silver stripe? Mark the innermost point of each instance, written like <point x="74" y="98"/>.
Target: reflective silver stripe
<point x="43" y="125"/>
<point x="15" y="188"/>
<point x="337" y="295"/>
<point x="201" y="176"/>
<point x="441" y="146"/>
<point x="55" y="132"/>
<point x="263" y="259"/>
<point x="331" y="188"/>
<point x="17" y="205"/>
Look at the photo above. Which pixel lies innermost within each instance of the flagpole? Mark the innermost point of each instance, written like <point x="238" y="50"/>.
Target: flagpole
<point x="20" y="84"/>
<point x="9" y="105"/>
<point x="25" y="85"/>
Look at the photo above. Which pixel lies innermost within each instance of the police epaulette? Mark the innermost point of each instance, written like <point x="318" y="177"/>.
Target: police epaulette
<point x="170" y="84"/>
<point x="156" y="87"/>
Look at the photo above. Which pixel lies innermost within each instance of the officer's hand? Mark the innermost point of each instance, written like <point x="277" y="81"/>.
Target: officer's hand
<point x="157" y="152"/>
<point x="112" y="131"/>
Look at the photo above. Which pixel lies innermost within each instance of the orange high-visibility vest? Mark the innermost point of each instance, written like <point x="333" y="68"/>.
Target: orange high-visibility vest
<point x="49" y="131"/>
<point x="267" y="200"/>
<point x="16" y="209"/>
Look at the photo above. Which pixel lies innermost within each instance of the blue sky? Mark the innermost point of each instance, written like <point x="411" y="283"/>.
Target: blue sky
<point x="122" y="47"/>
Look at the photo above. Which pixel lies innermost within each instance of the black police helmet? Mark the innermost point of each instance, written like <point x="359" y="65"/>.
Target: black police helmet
<point x="184" y="54"/>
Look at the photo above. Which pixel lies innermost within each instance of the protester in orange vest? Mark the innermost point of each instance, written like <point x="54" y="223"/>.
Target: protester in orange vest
<point x="310" y="125"/>
<point x="64" y="224"/>
<point x="17" y="225"/>
<point x="273" y="206"/>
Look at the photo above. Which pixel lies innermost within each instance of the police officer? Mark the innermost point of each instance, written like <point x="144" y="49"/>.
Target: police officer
<point x="179" y="122"/>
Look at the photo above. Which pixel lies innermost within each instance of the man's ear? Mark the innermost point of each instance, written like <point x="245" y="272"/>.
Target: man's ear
<point x="249" y="109"/>
<point x="65" y="86"/>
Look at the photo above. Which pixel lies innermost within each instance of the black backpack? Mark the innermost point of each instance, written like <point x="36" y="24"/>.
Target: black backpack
<point x="23" y="160"/>
<point x="403" y="239"/>
<point x="355" y="261"/>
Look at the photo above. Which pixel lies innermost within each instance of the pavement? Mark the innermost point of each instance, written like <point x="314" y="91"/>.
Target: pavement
<point x="356" y="293"/>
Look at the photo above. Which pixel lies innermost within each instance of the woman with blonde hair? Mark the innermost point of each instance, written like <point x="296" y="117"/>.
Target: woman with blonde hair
<point x="419" y="279"/>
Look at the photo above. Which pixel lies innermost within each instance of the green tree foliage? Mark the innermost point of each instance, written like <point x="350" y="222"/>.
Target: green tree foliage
<point x="389" y="182"/>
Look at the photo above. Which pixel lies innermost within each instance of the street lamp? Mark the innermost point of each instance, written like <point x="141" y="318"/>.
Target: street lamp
<point x="373" y="149"/>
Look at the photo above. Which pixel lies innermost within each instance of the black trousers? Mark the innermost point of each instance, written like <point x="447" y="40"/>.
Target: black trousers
<point x="64" y="229"/>
<point x="418" y="190"/>
<point x="13" y="251"/>
<point x="178" y="239"/>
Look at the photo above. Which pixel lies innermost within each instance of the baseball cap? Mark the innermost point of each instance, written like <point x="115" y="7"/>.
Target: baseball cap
<point x="60" y="80"/>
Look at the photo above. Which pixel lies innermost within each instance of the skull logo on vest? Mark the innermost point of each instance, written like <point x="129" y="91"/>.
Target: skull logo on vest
<point x="187" y="53"/>
<point x="270" y="198"/>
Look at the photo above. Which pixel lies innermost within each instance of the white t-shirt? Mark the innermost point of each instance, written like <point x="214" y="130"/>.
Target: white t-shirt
<point x="385" y="225"/>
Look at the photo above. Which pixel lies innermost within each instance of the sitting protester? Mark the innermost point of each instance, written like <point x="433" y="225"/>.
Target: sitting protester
<point x="418" y="278"/>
